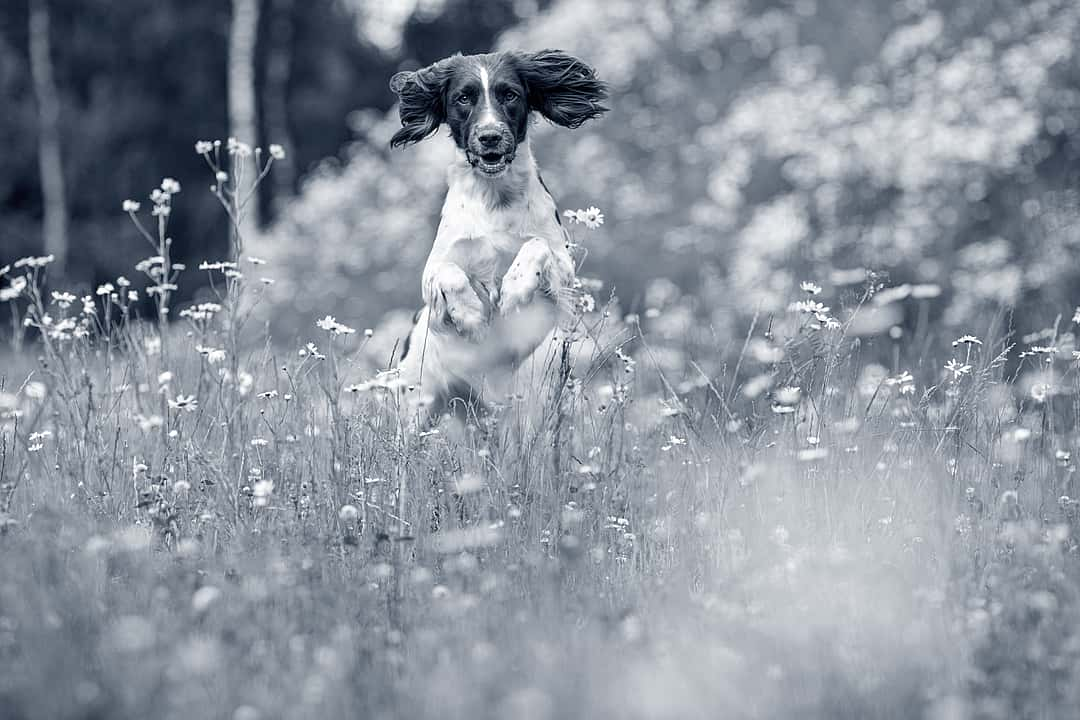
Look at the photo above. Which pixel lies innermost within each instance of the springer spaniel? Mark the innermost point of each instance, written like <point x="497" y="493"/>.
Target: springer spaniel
<point x="499" y="278"/>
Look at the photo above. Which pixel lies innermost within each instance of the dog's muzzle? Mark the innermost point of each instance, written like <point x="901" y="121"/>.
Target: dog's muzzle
<point x="491" y="149"/>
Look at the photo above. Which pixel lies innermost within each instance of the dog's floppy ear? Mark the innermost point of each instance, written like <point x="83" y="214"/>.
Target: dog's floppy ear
<point x="562" y="88"/>
<point x="423" y="102"/>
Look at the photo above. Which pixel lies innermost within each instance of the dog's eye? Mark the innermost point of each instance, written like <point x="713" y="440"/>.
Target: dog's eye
<point x="510" y="96"/>
<point x="464" y="99"/>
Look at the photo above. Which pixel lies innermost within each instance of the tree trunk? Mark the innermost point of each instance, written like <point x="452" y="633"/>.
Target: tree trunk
<point x="243" y="121"/>
<point x="50" y="164"/>
<point x="276" y="99"/>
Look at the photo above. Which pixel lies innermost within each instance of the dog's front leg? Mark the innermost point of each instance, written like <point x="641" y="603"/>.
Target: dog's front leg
<point x="454" y="301"/>
<point x="537" y="267"/>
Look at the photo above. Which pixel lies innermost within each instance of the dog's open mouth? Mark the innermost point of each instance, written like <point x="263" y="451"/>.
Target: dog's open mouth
<point x="491" y="163"/>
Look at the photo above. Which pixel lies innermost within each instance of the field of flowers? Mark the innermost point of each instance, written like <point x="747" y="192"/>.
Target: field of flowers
<point x="838" y="515"/>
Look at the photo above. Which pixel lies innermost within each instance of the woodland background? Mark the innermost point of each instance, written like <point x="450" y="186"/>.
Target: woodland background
<point x="751" y="144"/>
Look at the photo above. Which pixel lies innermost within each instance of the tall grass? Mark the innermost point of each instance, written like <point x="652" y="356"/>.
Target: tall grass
<point x="200" y="522"/>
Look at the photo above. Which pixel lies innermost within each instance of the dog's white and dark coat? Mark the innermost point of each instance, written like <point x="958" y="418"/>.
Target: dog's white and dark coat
<point x="499" y="276"/>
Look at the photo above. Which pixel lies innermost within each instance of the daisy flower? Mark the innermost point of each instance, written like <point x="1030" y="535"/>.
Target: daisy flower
<point x="63" y="299"/>
<point x="1040" y="391"/>
<point x="331" y="325"/>
<point x="183" y="402"/>
<point x="905" y="381"/>
<point x="957" y="369"/>
<point x="212" y="355"/>
<point x="262" y="491"/>
<point x="14" y="290"/>
<point x="788" y="395"/>
<point x="590" y="217"/>
<point x="809" y="306"/>
<point x="34" y="261"/>
<point x="312" y="350"/>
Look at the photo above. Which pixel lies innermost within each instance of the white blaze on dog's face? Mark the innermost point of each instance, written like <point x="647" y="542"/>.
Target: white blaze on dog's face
<point x="486" y="101"/>
<point x="487" y="113"/>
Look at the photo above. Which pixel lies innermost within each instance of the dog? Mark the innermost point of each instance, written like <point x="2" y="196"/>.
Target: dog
<point x="500" y="277"/>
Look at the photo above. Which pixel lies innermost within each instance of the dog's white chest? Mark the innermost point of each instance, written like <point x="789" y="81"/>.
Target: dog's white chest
<point x="483" y="239"/>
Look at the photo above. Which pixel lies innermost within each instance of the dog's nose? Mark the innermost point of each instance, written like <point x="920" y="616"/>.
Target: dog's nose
<point x="489" y="138"/>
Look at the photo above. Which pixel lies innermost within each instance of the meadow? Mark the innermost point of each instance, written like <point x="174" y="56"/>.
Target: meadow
<point x="825" y="518"/>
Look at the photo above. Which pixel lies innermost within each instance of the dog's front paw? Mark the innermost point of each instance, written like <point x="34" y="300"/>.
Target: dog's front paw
<point x="526" y="275"/>
<point x="456" y="304"/>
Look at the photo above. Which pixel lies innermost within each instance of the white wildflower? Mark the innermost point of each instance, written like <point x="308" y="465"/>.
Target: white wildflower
<point x="1040" y="391"/>
<point x="262" y="491"/>
<point x="905" y="382"/>
<point x="34" y="261"/>
<point x="811" y="307"/>
<point x="219" y="265"/>
<point x="331" y="325"/>
<point x="186" y="403"/>
<point x="212" y="355"/>
<point x="590" y="217"/>
<point x="788" y="395"/>
<point x="957" y="369"/>
<point x="14" y="290"/>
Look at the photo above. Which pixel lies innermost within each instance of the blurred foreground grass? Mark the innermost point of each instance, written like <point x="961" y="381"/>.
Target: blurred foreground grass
<point x="201" y="523"/>
<point x="282" y="552"/>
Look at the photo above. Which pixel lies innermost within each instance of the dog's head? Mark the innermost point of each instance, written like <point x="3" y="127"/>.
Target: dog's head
<point x="486" y="100"/>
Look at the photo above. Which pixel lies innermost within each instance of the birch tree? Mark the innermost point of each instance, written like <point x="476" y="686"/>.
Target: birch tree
<point x="50" y="162"/>
<point x="243" y="110"/>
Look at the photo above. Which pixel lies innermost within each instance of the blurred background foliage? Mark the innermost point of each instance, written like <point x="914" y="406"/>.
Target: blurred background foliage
<point x="138" y="83"/>
<point x="929" y="146"/>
